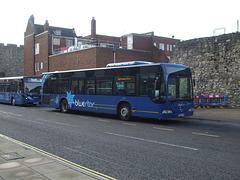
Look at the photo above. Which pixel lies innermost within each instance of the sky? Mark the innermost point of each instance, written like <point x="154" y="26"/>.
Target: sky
<point x="183" y="19"/>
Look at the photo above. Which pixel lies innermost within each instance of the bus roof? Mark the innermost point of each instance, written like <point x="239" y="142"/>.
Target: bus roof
<point x="130" y="63"/>
<point x="119" y="65"/>
<point x="19" y="77"/>
<point x="6" y="78"/>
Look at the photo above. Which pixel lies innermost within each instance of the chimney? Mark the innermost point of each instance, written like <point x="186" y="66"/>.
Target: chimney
<point x="46" y="26"/>
<point x="93" y="28"/>
<point x="31" y="19"/>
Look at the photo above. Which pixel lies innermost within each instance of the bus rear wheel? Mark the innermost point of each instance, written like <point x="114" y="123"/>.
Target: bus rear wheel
<point x="124" y="112"/>
<point x="64" y="106"/>
<point x="13" y="101"/>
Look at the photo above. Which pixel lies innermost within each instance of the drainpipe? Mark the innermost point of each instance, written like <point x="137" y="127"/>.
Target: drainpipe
<point x="114" y="55"/>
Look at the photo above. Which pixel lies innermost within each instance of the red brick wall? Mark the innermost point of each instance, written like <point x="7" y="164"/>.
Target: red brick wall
<point x="28" y="50"/>
<point x="142" y="43"/>
<point x="94" y="57"/>
<point x="42" y="57"/>
<point x="159" y="56"/>
<point x="29" y="29"/>
<point x="29" y="55"/>
<point x="81" y="59"/>
<point x="105" y="56"/>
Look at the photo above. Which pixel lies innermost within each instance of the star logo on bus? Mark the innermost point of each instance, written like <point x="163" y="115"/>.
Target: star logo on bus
<point x="57" y="100"/>
<point x="70" y="98"/>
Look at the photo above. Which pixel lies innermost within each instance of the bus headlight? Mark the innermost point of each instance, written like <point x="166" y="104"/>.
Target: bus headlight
<point x="167" y="112"/>
<point x="191" y="109"/>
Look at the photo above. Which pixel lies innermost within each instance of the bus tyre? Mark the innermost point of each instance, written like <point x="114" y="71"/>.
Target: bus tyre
<point x="124" y="112"/>
<point x="13" y="101"/>
<point x="64" y="106"/>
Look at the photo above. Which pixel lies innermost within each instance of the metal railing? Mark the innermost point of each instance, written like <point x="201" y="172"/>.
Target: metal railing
<point x="82" y="44"/>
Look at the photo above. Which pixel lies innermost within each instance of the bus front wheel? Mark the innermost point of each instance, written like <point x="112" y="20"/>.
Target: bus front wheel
<point x="124" y="112"/>
<point x="64" y="106"/>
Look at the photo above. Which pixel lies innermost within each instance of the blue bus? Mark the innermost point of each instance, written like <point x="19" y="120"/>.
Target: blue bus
<point x="143" y="89"/>
<point x="21" y="90"/>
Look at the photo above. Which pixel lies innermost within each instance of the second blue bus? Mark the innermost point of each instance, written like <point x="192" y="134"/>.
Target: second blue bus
<point x="21" y="90"/>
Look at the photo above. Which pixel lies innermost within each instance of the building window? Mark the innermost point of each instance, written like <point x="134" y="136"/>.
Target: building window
<point x="37" y="49"/>
<point x="170" y="47"/>
<point x="130" y="42"/>
<point x="56" y="41"/>
<point x="167" y="47"/>
<point x="161" y="46"/>
<point x="69" y="42"/>
<point x="41" y="65"/>
<point x="36" y="67"/>
<point x="57" y="32"/>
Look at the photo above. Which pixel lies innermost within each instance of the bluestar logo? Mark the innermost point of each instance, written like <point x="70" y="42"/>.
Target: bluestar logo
<point x="84" y="103"/>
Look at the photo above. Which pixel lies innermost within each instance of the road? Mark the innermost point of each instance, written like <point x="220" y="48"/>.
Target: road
<point x="137" y="149"/>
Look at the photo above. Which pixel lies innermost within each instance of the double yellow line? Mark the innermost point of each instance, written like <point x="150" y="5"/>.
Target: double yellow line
<point x="69" y="163"/>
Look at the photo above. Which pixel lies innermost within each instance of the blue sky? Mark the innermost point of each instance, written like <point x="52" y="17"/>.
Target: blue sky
<point x="185" y="19"/>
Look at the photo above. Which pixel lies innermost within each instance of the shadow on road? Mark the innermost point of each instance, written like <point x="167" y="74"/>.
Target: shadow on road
<point x="116" y="118"/>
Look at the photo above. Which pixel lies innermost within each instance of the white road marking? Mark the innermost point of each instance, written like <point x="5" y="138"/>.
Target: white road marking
<point x="102" y="120"/>
<point x="129" y="124"/>
<point x="203" y="134"/>
<point x="152" y="141"/>
<point x="9" y="113"/>
<point x="165" y="129"/>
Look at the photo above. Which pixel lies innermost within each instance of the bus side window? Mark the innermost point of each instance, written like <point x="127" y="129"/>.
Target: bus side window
<point x="2" y="87"/>
<point x="74" y="86"/>
<point x="124" y="85"/>
<point x="143" y="85"/>
<point x="20" y="87"/>
<point x="90" y="86"/>
<point x="104" y="85"/>
<point x="81" y="87"/>
<point x="63" y="86"/>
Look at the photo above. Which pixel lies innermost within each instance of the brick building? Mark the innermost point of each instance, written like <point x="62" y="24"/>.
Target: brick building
<point x="48" y="48"/>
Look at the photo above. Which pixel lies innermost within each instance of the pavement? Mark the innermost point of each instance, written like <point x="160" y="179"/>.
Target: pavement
<point x="24" y="162"/>
<point x="217" y="114"/>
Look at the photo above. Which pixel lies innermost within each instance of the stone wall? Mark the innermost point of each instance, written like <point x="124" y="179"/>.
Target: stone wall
<point x="11" y="60"/>
<point x="215" y="64"/>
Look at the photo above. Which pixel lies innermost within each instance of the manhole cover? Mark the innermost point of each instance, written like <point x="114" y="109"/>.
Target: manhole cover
<point x="11" y="156"/>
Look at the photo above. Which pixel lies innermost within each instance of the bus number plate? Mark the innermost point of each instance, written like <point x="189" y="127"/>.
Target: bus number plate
<point x="181" y="115"/>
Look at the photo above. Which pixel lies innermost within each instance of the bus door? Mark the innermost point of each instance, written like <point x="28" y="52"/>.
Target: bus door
<point x="49" y="88"/>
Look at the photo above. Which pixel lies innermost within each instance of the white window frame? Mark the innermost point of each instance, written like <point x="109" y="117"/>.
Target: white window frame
<point x="37" y="49"/>
<point x="37" y="66"/>
<point x="161" y="46"/>
<point x="69" y="42"/>
<point x="56" y="41"/>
